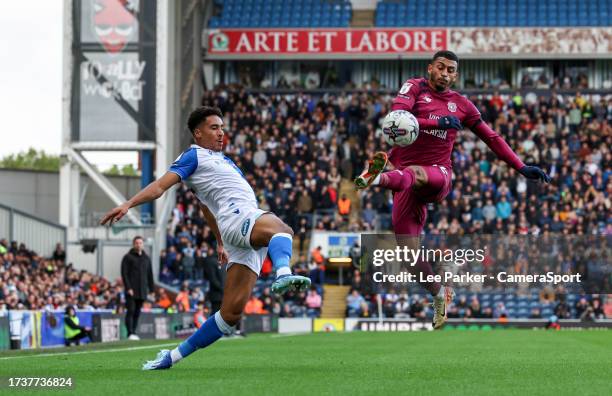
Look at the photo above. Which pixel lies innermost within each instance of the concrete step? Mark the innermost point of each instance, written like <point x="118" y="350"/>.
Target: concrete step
<point x="334" y="303"/>
<point x="363" y="18"/>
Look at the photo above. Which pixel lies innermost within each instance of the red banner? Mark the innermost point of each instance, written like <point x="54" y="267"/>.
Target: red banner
<point x="326" y="41"/>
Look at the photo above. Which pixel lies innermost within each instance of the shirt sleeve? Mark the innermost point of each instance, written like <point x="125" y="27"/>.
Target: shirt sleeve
<point x="185" y="164"/>
<point x="407" y="95"/>
<point x="496" y="143"/>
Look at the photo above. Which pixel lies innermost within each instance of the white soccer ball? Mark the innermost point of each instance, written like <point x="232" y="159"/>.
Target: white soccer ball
<point x="400" y="128"/>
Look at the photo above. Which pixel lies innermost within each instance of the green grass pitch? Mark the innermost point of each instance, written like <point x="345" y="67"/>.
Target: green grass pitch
<point x="517" y="362"/>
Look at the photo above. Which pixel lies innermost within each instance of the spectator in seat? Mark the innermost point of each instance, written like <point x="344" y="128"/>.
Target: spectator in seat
<point x="368" y="215"/>
<point x="402" y="308"/>
<point x="353" y="303"/>
<point x="301" y="266"/>
<point x="417" y="309"/>
<point x="163" y="301"/>
<point x="317" y="266"/>
<point x="182" y="298"/>
<point x="188" y="262"/>
<point x="200" y="315"/>
<point x="254" y="306"/>
<point x="313" y="302"/>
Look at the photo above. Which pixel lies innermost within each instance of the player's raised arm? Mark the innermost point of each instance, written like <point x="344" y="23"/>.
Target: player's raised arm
<point x="503" y="151"/>
<point x="147" y="194"/>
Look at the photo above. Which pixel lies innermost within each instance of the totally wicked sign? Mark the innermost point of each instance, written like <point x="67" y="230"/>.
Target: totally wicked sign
<point x="325" y="41"/>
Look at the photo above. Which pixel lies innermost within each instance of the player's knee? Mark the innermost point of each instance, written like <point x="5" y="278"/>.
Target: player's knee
<point x="287" y="230"/>
<point x="420" y="177"/>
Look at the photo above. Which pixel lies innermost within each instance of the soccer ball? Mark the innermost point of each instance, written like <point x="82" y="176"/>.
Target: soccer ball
<point x="400" y="128"/>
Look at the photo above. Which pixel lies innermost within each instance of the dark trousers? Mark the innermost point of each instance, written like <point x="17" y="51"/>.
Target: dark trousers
<point x="133" y="306"/>
<point x="76" y="340"/>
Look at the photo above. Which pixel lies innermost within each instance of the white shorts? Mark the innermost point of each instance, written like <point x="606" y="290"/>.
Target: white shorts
<point x="236" y="234"/>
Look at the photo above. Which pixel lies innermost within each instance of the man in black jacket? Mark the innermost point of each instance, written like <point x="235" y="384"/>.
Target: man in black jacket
<point x="216" y="278"/>
<point x="137" y="275"/>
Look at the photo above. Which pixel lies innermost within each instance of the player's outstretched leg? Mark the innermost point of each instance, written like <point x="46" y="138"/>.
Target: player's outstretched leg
<point x="375" y="167"/>
<point x="238" y="287"/>
<point x="270" y="231"/>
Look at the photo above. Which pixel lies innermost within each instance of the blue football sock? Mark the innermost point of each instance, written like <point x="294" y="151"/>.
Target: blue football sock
<point x="280" y="250"/>
<point x="209" y="332"/>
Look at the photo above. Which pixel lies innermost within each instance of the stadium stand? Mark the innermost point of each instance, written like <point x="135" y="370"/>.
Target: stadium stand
<point x="300" y="153"/>
<point x="494" y="13"/>
<point x="535" y="305"/>
<point x="281" y="13"/>
<point x="298" y="142"/>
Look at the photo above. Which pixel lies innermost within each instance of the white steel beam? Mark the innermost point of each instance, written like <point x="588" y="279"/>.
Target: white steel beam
<point x="102" y="182"/>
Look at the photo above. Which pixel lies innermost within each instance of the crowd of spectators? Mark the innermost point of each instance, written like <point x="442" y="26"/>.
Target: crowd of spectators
<point x="29" y="281"/>
<point x="399" y="304"/>
<point x="298" y="150"/>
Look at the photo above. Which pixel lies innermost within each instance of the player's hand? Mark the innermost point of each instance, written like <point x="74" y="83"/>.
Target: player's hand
<point x="130" y="292"/>
<point x="533" y="172"/>
<point x="221" y="254"/>
<point x="449" y="122"/>
<point x="115" y="214"/>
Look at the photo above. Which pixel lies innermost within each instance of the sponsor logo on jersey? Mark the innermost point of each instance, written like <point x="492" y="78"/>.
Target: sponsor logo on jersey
<point x="439" y="133"/>
<point x="405" y="88"/>
<point x="245" y="227"/>
<point x="452" y="107"/>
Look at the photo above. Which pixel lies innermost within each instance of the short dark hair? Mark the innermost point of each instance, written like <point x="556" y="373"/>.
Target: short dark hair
<point x="136" y="238"/>
<point x="450" y="55"/>
<point x="200" y="114"/>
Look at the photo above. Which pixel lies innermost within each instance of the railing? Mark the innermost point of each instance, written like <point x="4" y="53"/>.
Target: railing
<point x="38" y="234"/>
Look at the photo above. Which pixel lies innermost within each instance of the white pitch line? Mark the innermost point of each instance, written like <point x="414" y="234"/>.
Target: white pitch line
<point x="287" y="335"/>
<point x="135" y="348"/>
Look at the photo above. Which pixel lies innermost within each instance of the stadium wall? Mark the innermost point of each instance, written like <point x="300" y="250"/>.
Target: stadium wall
<point x="37" y="192"/>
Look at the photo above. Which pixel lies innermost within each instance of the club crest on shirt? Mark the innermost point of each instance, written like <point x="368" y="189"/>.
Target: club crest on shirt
<point x="245" y="227"/>
<point x="452" y="107"/>
<point x="427" y="99"/>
